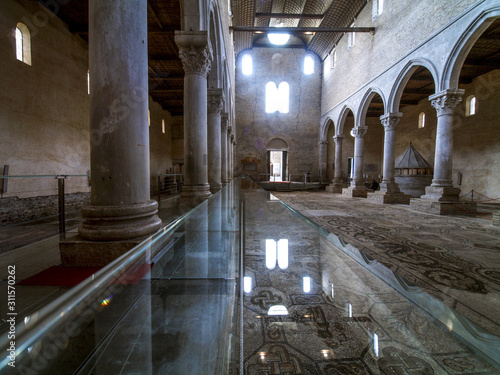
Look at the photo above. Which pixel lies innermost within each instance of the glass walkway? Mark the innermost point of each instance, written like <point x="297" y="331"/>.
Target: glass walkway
<point x="242" y="284"/>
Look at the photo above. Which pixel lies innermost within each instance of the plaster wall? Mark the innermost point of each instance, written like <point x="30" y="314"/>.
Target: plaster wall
<point x="401" y="27"/>
<point x="44" y="107"/>
<point x="298" y="128"/>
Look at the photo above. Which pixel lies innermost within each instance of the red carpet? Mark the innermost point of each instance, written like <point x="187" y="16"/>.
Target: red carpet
<point x="71" y="276"/>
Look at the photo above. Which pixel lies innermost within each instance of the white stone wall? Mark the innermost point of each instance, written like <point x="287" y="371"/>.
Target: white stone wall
<point x="298" y="128"/>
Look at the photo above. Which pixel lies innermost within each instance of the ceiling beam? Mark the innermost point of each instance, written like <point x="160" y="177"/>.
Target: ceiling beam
<point x="290" y="16"/>
<point x="303" y="29"/>
<point x="166" y="91"/>
<point x="173" y="77"/>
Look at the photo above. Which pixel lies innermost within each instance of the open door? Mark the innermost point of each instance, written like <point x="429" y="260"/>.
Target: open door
<point x="284" y="172"/>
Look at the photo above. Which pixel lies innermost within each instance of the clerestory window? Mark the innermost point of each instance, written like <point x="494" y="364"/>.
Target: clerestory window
<point x="470" y="106"/>
<point x="23" y="43"/>
<point x="308" y="65"/>
<point x="246" y="65"/>
<point x="277" y="98"/>
<point x="421" y="120"/>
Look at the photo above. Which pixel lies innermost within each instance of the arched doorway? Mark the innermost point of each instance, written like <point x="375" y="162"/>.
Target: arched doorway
<point x="277" y="160"/>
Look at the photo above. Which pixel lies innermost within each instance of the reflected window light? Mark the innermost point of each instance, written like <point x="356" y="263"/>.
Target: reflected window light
<point x="306" y="284"/>
<point x="332" y="290"/>
<point x="273" y="198"/>
<point x="246" y="65"/>
<point x="27" y="319"/>
<point x="277" y="310"/>
<point x="375" y="344"/>
<point x="247" y="284"/>
<point x="283" y="254"/>
<point x="349" y="310"/>
<point x="270" y="254"/>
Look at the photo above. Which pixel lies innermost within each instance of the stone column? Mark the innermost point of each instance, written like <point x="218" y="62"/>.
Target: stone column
<point x="338" y="181"/>
<point x="357" y="188"/>
<point x="441" y="197"/>
<point x="323" y="160"/>
<point x="195" y="54"/>
<point x="215" y="100"/>
<point x="229" y="149"/>
<point x="120" y="211"/>
<point x="389" y="191"/>
<point x="224" y="121"/>
<point x="231" y="159"/>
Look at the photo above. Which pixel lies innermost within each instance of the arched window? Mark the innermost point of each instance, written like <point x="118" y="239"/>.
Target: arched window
<point x="334" y="58"/>
<point x="421" y="120"/>
<point x="277" y="99"/>
<point x="246" y="64"/>
<point x="470" y="106"/>
<point x="308" y="65"/>
<point x="23" y="43"/>
<point x="378" y="8"/>
<point x="351" y="38"/>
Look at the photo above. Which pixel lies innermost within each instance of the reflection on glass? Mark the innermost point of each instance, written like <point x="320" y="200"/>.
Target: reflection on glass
<point x="247" y="284"/>
<point x="349" y="310"/>
<point x="283" y="254"/>
<point x="27" y="319"/>
<point x="273" y="198"/>
<point x="277" y="310"/>
<point x="307" y="284"/>
<point x="375" y="344"/>
<point x="333" y="290"/>
<point x="270" y="254"/>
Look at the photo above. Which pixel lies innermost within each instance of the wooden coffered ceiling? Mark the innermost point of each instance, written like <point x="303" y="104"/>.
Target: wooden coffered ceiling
<point x="329" y="18"/>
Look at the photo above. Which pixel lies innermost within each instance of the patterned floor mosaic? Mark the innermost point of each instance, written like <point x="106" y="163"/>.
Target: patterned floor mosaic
<point x="348" y="321"/>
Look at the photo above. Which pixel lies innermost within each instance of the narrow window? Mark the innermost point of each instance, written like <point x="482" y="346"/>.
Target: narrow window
<point x="149" y="117"/>
<point x="470" y="106"/>
<point x="277" y="99"/>
<point x="351" y="38"/>
<point x="88" y="82"/>
<point x="378" y="8"/>
<point x="246" y="64"/>
<point x="308" y="65"/>
<point x="23" y="43"/>
<point x="421" y="120"/>
<point x="334" y="58"/>
<point x="163" y="126"/>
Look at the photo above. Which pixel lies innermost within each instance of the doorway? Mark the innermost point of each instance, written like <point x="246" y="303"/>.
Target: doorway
<point x="277" y="165"/>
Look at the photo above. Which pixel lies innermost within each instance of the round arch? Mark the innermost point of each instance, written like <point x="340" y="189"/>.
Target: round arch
<point x="341" y="121"/>
<point x="403" y="78"/>
<point x="367" y="98"/>
<point x="277" y="144"/>
<point x="461" y="49"/>
<point x="323" y="133"/>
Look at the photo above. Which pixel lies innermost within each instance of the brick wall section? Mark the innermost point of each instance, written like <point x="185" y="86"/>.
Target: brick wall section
<point x="17" y="210"/>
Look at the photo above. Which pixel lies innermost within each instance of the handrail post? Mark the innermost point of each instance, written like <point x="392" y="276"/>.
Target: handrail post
<point x="60" y="193"/>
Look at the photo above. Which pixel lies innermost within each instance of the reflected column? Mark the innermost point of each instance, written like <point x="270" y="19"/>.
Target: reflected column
<point x="215" y="101"/>
<point x="357" y="188"/>
<point x="224" y="121"/>
<point x="338" y="181"/>
<point x="195" y="54"/>
<point x="323" y="156"/>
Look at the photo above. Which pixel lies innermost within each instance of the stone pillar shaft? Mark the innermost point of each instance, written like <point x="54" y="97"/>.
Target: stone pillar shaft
<point x="337" y="174"/>
<point x="389" y="122"/>
<point x="358" y="133"/>
<point x="196" y="58"/>
<point x="120" y="206"/>
<point x="224" y="121"/>
<point x="215" y="100"/>
<point x="323" y="159"/>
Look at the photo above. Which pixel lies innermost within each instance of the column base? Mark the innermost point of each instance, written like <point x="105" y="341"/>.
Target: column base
<point x="354" y="192"/>
<point x="119" y="223"/>
<point x="443" y="208"/>
<point x="389" y="198"/>
<point x="441" y="194"/>
<point x="193" y="195"/>
<point x="336" y="188"/>
<point x="215" y="187"/>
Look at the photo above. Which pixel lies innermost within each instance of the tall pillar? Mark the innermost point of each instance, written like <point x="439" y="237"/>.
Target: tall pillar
<point x="195" y="53"/>
<point x="120" y="211"/>
<point x="215" y="99"/>
<point x="338" y="181"/>
<point x="224" y="122"/>
<point x="441" y="197"/>
<point x="229" y="153"/>
<point x="323" y="160"/>
<point x="232" y="149"/>
<point x="357" y="188"/>
<point x="389" y="190"/>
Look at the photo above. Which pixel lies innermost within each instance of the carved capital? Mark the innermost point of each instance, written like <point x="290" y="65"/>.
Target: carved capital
<point x="229" y="129"/>
<point x="445" y="102"/>
<point x="323" y="142"/>
<point x="390" y="120"/>
<point x="359" y="131"/>
<point x="195" y="59"/>
<point x="215" y="101"/>
<point x="224" y="121"/>
<point x="338" y="139"/>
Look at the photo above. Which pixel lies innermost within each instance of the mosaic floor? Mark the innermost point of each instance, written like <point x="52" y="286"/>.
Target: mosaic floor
<point x="455" y="259"/>
<point x="346" y="320"/>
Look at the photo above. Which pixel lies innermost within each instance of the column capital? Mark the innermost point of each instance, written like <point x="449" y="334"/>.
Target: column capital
<point x="215" y="101"/>
<point x="338" y="139"/>
<point x="445" y="102"/>
<point x="390" y="120"/>
<point x="322" y="142"/>
<point x="359" y="131"/>
<point x="224" y="120"/>
<point x="229" y="129"/>
<point x="194" y="51"/>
